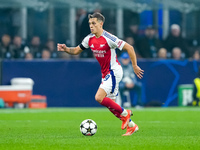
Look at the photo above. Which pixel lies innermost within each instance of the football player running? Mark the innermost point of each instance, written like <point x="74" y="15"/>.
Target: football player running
<point x="103" y="45"/>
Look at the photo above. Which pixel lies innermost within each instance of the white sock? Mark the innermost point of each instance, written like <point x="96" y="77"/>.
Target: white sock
<point x="124" y="113"/>
<point x="131" y="123"/>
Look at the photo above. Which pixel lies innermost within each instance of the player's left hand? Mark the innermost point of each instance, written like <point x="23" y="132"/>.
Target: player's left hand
<point x="138" y="71"/>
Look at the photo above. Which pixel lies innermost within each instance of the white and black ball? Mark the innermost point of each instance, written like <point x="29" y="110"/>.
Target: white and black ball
<point x="88" y="127"/>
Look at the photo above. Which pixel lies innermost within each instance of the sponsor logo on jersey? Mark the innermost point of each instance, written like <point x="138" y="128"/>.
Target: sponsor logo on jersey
<point x="99" y="53"/>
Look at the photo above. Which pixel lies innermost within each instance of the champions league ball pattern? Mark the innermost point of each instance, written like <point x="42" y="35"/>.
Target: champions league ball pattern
<point x="88" y="127"/>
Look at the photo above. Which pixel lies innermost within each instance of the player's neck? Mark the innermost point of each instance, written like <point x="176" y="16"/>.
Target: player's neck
<point x="98" y="34"/>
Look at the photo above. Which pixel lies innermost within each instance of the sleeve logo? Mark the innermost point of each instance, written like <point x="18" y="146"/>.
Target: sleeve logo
<point x="119" y="43"/>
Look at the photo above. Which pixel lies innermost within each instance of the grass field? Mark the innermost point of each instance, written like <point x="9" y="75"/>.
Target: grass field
<point x="58" y="128"/>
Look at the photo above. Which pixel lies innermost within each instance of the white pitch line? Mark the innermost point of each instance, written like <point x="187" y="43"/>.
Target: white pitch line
<point x="97" y="109"/>
<point x="141" y="122"/>
<point x="168" y="122"/>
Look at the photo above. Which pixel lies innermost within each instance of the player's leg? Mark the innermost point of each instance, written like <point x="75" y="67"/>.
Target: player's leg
<point x="116" y="109"/>
<point x="107" y="93"/>
<point x="125" y="119"/>
<point x="108" y="102"/>
<point x="117" y="114"/>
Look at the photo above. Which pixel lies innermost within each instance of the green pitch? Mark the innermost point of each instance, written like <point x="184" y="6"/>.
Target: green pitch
<point x="58" y="128"/>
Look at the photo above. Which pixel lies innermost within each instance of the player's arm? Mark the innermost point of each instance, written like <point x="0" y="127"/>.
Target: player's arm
<point x="138" y="71"/>
<point x="70" y="50"/>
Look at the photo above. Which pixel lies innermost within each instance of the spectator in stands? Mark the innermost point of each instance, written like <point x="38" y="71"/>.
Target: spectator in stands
<point x="18" y="47"/>
<point x="196" y="54"/>
<point x="130" y="40"/>
<point x="5" y="47"/>
<point x="76" y="56"/>
<point x="132" y="31"/>
<point x="196" y="90"/>
<point x="28" y="56"/>
<point x="83" y="30"/>
<point x="148" y="46"/>
<point x="131" y="26"/>
<point x="162" y="53"/>
<point x="64" y="56"/>
<point x="46" y="54"/>
<point x="176" y="53"/>
<point x="176" y="40"/>
<point x="35" y="47"/>
<point x="129" y="81"/>
<point x="82" y="24"/>
<point x="52" y="48"/>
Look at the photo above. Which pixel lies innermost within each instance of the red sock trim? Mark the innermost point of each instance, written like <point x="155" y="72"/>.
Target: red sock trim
<point x="110" y="104"/>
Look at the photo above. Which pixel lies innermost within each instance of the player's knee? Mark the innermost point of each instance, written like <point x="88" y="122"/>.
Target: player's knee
<point x="98" y="98"/>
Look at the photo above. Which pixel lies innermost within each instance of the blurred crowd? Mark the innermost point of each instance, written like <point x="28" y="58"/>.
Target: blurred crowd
<point x="175" y="46"/>
<point x="146" y="43"/>
<point x="16" y="49"/>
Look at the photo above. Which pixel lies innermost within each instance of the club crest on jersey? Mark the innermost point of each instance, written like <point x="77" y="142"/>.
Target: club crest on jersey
<point x="102" y="45"/>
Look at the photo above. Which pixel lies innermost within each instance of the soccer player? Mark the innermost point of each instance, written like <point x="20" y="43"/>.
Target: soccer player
<point x="103" y="45"/>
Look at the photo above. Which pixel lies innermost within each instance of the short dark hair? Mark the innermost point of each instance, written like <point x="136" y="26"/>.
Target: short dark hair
<point x="97" y="15"/>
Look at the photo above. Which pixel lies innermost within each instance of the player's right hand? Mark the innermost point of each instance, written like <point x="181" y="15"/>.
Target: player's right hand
<point x="138" y="71"/>
<point x="61" y="47"/>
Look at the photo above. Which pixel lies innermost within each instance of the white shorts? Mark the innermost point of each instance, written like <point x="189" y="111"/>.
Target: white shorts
<point x="110" y="83"/>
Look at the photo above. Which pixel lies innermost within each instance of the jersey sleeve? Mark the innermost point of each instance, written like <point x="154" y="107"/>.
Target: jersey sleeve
<point x="84" y="43"/>
<point x="114" y="41"/>
<point x="119" y="43"/>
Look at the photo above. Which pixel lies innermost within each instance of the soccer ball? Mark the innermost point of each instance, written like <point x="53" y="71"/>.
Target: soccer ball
<point x="88" y="127"/>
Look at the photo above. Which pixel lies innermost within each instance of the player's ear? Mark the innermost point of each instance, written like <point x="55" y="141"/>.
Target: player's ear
<point x="101" y="23"/>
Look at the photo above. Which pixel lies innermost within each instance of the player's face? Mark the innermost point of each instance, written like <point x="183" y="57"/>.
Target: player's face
<point x="95" y="25"/>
